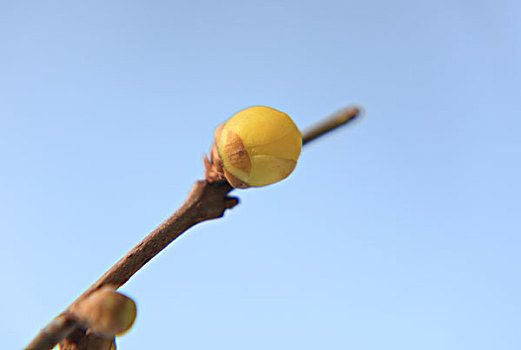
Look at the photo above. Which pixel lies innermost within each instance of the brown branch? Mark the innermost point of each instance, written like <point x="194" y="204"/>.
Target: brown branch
<point x="53" y="333"/>
<point x="337" y="119"/>
<point x="208" y="200"/>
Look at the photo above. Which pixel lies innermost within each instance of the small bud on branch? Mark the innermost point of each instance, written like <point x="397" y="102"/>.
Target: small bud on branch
<point x="106" y="312"/>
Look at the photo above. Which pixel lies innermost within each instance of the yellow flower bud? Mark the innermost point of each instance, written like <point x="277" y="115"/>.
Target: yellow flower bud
<point x="258" y="146"/>
<point x="107" y="312"/>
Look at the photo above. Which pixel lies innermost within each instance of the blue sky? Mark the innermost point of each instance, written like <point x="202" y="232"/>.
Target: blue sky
<point x="399" y="232"/>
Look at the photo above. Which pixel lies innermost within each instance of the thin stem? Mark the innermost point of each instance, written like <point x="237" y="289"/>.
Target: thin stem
<point x="336" y="120"/>
<point x="53" y="333"/>
<point x="206" y="201"/>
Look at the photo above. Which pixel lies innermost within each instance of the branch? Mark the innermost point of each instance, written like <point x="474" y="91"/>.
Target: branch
<point x="208" y="200"/>
<point x="53" y="333"/>
<point x="337" y="119"/>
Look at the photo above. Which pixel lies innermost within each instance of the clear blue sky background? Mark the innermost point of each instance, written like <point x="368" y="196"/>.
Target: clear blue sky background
<point x="399" y="232"/>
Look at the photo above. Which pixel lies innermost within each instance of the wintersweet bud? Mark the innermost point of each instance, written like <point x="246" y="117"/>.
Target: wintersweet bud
<point x="107" y="312"/>
<point x="257" y="146"/>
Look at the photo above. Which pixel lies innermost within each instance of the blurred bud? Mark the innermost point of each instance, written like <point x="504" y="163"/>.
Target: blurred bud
<point x="106" y="312"/>
<point x="256" y="147"/>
